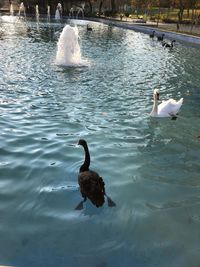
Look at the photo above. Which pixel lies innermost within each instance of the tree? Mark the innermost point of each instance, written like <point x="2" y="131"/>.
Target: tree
<point x="100" y="7"/>
<point x="113" y="6"/>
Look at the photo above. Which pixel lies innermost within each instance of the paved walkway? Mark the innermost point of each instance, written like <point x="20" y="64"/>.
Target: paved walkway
<point x="168" y="29"/>
<point x="183" y="28"/>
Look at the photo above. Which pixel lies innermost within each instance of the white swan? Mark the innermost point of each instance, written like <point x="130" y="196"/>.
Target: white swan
<point x="167" y="108"/>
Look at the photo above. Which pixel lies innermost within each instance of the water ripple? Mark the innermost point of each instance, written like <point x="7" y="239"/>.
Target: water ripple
<point x="150" y="167"/>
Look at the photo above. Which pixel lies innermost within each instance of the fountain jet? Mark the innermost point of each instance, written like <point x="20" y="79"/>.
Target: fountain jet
<point x="58" y="13"/>
<point x="48" y="13"/>
<point x="11" y="10"/>
<point x="68" y="53"/>
<point x="22" y="9"/>
<point x="37" y="12"/>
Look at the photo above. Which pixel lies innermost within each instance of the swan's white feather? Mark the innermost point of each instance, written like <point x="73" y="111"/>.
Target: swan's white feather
<point x="169" y="108"/>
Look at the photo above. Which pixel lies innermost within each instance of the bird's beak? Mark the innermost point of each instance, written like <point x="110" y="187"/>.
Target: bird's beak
<point x="157" y="96"/>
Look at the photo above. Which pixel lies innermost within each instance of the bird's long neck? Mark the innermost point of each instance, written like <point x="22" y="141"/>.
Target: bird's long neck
<point x="86" y="164"/>
<point x="155" y="106"/>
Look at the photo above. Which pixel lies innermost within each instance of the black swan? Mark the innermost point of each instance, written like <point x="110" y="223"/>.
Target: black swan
<point x="152" y="34"/>
<point x="91" y="184"/>
<point x="89" y="29"/>
<point x="164" y="44"/>
<point x="161" y="37"/>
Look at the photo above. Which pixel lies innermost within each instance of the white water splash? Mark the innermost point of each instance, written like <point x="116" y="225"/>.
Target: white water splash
<point x="57" y="14"/>
<point x="69" y="187"/>
<point x="22" y="10"/>
<point x="68" y="53"/>
<point x="48" y="13"/>
<point x="37" y="14"/>
<point x="11" y="10"/>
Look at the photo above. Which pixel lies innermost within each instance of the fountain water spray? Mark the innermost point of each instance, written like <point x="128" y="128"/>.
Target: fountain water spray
<point x="59" y="7"/>
<point x="80" y="10"/>
<point x="68" y="53"/>
<point x="37" y="12"/>
<point x="11" y="10"/>
<point x="58" y="13"/>
<point x="48" y="13"/>
<point x="22" y="9"/>
<point x="71" y="12"/>
<point x="76" y="10"/>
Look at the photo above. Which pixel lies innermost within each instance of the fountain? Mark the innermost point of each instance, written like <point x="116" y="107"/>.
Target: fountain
<point x="59" y="7"/>
<point x="11" y="10"/>
<point x="22" y="9"/>
<point x="37" y="12"/>
<point x="76" y="10"/>
<point x="48" y="13"/>
<point x="80" y="10"/>
<point x="71" y="12"/>
<point x="68" y="53"/>
<point x="10" y="18"/>
<point x="58" y="13"/>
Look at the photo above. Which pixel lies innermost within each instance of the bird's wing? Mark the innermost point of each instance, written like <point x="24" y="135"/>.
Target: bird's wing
<point x="90" y="181"/>
<point x="170" y="106"/>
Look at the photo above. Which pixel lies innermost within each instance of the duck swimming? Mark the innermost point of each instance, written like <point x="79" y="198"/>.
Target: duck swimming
<point x="151" y="35"/>
<point x="89" y="29"/>
<point x="164" y="44"/>
<point x="167" y="108"/>
<point x="161" y="37"/>
<point x="91" y="184"/>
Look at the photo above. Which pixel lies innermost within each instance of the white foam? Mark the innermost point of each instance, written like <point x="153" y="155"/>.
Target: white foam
<point x="69" y="53"/>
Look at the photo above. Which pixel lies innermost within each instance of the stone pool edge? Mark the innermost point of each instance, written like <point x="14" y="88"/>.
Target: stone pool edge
<point x="147" y="29"/>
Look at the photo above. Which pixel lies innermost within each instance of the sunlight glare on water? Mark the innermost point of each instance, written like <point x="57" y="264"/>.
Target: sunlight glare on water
<point x="150" y="166"/>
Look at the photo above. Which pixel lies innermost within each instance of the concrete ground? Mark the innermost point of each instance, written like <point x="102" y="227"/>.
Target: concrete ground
<point x="183" y="28"/>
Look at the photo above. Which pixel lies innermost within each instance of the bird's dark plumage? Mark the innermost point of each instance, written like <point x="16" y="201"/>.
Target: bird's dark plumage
<point x="89" y="29"/>
<point x="164" y="44"/>
<point x="91" y="184"/>
<point x="161" y="37"/>
<point x="152" y="34"/>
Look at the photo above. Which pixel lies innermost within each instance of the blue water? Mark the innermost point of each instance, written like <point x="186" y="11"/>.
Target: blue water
<point x="150" y="166"/>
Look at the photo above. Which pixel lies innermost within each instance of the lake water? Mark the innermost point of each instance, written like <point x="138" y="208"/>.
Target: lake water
<point x="150" y="166"/>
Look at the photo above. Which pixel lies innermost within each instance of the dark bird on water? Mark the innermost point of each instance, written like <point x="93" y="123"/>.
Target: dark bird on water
<point x="164" y="44"/>
<point x="89" y="29"/>
<point x="160" y="37"/>
<point x="151" y="35"/>
<point x="91" y="184"/>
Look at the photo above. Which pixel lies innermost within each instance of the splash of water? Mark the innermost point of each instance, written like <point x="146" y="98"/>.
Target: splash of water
<point x="57" y="14"/>
<point x="22" y="10"/>
<point x="37" y="12"/>
<point x="68" y="53"/>
<point x="80" y="11"/>
<point x="48" y="13"/>
<point x="11" y="10"/>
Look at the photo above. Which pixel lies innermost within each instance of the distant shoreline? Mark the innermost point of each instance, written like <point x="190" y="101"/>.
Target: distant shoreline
<point x="145" y="28"/>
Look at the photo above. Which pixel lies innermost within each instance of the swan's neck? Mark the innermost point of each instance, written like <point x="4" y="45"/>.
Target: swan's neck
<point x="154" y="111"/>
<point x="86" y="164"/>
